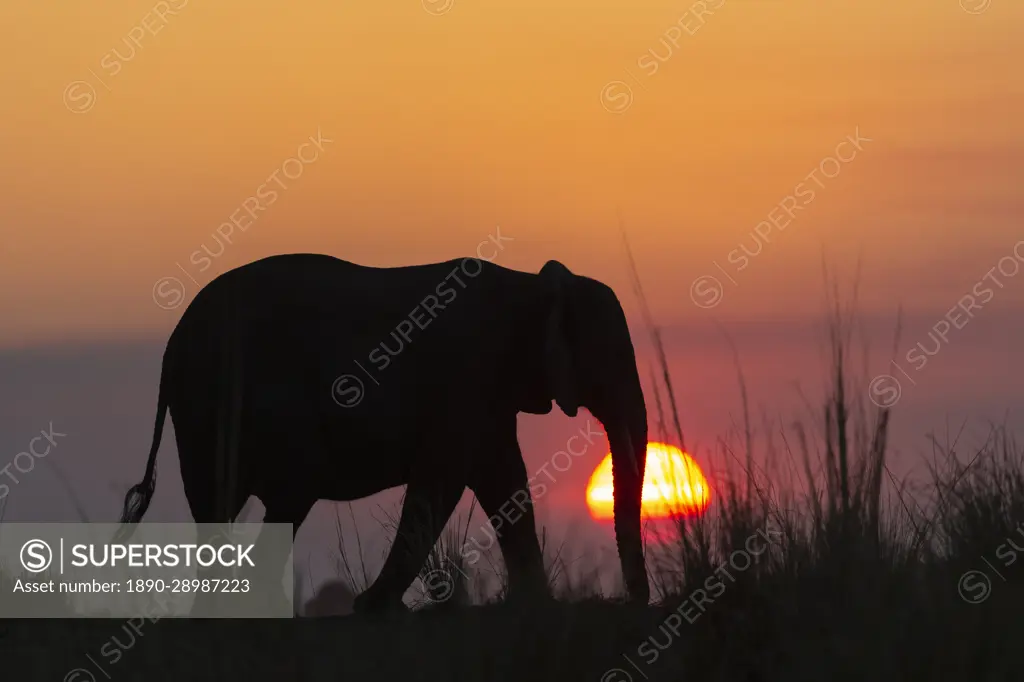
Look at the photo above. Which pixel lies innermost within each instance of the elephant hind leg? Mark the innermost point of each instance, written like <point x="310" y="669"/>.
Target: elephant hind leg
<point x="267" y="557"/>
<point x="213" y="518"/>
<point x="214" y="507"/>
<point x="427" y="507"/>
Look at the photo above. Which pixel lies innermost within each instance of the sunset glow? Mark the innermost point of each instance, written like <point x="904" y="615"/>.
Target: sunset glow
<point x="673" y="485"/>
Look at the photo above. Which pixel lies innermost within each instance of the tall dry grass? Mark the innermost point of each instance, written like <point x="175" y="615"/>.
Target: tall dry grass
<point x="843" y="527"/>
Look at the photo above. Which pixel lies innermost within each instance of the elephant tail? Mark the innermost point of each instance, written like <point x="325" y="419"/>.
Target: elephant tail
<point x="136" y="502"/>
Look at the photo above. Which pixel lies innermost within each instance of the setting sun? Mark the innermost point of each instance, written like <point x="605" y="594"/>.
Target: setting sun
<point x="673" y="485"/>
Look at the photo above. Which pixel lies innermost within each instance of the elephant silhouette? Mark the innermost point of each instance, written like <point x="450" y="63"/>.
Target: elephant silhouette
<point x="333" y="598"/>
<point x="302" y="377"/>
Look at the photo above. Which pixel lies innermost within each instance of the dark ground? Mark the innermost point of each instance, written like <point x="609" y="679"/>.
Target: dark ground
<point x="915" y="586"/>
<point x="878" y="639"/>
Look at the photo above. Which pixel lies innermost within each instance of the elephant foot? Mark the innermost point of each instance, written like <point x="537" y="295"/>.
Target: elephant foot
<point x="370" y="603"/>
<point x="531" y="598"/>
<point x="204" y="606"/>
<point x="530" y="595"/>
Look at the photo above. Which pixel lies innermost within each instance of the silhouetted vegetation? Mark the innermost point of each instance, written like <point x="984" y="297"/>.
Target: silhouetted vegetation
<point x="857" y="575"/>
<point x="853" y="575"/>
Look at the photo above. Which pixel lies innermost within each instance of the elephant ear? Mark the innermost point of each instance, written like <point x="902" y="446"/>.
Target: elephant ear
<point x="559" y="368"/>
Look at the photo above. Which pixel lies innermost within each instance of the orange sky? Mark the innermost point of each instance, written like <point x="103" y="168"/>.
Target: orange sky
<point x="445" y="126"/>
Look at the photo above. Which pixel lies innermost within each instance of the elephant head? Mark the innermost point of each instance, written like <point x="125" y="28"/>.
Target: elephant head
<point x="588" y="361"/>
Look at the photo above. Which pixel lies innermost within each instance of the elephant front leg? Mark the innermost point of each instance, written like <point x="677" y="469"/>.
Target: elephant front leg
<point x="504" y="494"/>
<point x="428" y="505"/>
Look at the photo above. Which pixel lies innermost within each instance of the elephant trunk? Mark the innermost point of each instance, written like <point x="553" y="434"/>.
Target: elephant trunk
<point x="628" y="443"/>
